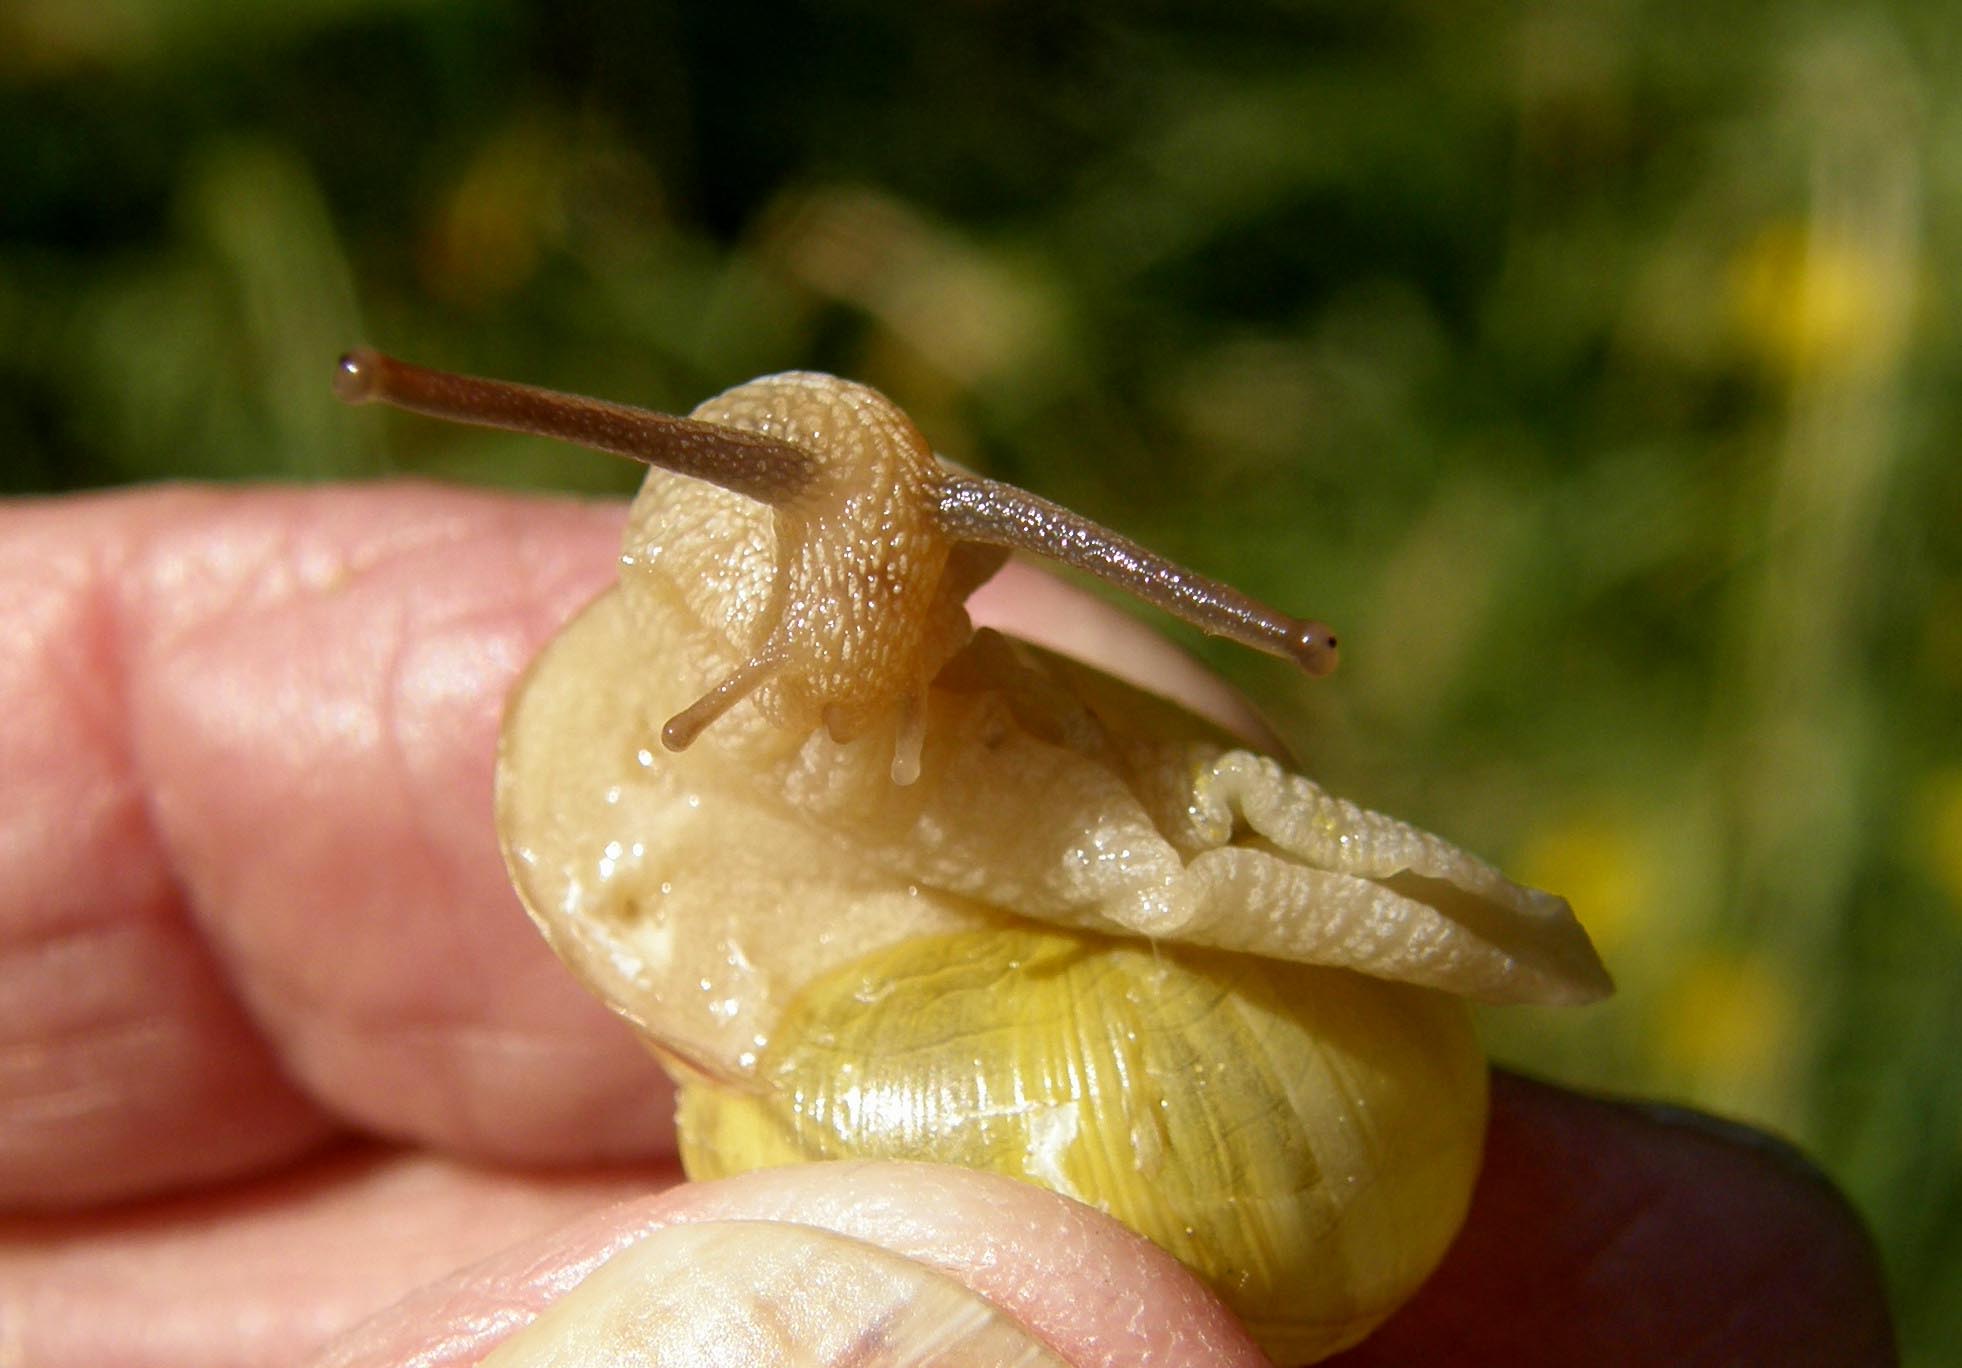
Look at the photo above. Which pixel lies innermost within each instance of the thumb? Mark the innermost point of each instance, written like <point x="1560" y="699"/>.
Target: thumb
<point x="819" y="1263"/>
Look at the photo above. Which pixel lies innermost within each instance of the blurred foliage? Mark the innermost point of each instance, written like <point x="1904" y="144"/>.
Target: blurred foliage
<point x="1592" y="364"/>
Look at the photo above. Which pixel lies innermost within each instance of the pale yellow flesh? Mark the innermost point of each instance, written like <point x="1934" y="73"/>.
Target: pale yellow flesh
<point x="695" y="892"/>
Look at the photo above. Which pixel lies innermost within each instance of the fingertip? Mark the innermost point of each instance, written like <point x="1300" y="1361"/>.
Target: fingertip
<point x="1085" y="1287"/>
<point x="1605" y="1228"/>
<point x="1029" y="603"/>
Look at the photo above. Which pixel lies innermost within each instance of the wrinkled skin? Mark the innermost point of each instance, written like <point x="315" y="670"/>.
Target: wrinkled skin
<point x="269" y="1005"/>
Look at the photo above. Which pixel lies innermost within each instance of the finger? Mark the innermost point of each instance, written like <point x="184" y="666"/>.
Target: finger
<point x="1095" y="1293"/>
<point x="1616" y="1233"/>
<point x="264" y="1271"/>
<point x="1038" y="607"/>
<point x="253" y="891"/>
<point x="1600" y="1233"/>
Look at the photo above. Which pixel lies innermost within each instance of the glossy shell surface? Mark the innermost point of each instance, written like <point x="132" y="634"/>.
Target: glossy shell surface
<point x="1264" y="1122"/>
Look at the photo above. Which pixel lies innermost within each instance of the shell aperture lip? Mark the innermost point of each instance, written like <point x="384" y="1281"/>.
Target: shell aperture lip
<point x="1037" y="800"/>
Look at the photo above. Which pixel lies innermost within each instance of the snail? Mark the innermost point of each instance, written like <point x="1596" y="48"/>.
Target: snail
<point x="941" y="895"/>
<point x="863" y="607"/>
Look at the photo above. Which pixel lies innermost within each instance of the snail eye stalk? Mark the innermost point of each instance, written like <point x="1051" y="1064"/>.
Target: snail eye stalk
<point x="748" y="463"/>
<point x="996" y="514"/>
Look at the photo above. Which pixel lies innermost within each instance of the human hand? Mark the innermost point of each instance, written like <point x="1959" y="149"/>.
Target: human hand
<point x="257" y="953"/>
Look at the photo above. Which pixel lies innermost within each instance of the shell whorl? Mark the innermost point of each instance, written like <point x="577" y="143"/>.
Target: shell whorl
<point x="1304" y="1139"/>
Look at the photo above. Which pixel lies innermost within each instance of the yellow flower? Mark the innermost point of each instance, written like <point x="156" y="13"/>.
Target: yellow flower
<point x="490" y="232"/>
<point x="1728" y="1017"/>
<point x="1806" y="302"/>
<point x="1940" y="821"/>
<point x="1597" y="861"/>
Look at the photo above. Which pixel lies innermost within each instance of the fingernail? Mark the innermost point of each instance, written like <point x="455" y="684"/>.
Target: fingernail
<point x="734" y="1293"/>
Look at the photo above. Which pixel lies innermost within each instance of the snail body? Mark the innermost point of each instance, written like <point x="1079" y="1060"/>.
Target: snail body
<point x="860" y="611"/>
<point x="938" y="895"/>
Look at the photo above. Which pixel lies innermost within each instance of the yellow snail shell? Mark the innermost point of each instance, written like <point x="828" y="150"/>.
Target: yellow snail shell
<point x="937" y="895"/>
<point x="1303" y="1138"/>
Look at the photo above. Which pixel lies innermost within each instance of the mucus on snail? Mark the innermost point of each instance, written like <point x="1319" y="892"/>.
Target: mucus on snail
<point x="942" y="896"/>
